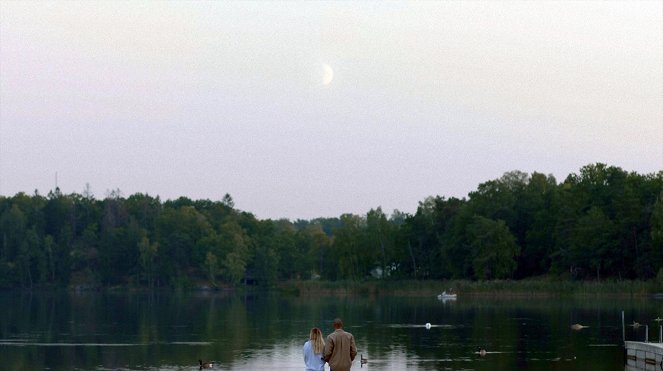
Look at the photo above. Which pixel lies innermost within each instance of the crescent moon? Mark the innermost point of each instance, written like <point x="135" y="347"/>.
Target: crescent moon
<point x="328" y="74"/>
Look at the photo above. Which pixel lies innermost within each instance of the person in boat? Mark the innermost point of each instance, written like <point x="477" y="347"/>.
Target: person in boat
<point x="313" y="351"/>
<point x="340" y="349"/>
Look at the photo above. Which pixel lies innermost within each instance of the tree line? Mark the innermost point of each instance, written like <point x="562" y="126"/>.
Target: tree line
<point x="602" y="222"/>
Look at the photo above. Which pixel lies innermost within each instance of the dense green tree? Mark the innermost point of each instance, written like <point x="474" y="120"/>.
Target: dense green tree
<point x="179" y="230"/>
<point x="236" y="254"/>
<point x="85" y="256"/>
<point x="349" y="249"/>
<point x="315" y="243"/>
<point x="656" y="227"/>
<point x="594" y="238"/>
<point x="426" y="231"/>
<point x="145" y="209"/>
<point x="456" y="249"/>
<point x="537" y="216"/>
<point x="14" y="227"/>
<point x="264" y="266"/>
<point x="601" y="222"/>
<point x="148" y="253"/>
<point x="380" y="242"/>
<point x="494" y="248"/>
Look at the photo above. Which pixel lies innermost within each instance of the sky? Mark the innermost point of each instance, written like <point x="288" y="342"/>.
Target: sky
<point x="315" y="109"/>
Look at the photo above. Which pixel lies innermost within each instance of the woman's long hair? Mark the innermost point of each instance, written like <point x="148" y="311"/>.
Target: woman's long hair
<point x="316" y="340"/>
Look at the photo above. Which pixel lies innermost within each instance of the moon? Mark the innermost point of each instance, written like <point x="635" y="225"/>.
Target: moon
<point x="328" y="74"/>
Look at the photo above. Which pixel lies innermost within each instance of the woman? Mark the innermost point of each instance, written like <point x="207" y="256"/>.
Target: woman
<point x="313" y="350"/>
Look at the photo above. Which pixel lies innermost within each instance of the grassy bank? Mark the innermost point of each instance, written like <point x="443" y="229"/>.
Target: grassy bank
<point x="524" y="288"/>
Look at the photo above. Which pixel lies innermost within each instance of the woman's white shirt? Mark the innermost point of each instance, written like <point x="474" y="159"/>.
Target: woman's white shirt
<point x="313" y="361"/>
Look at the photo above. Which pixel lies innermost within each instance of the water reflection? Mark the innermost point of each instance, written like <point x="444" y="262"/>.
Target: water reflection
<point x="170" y="331"/>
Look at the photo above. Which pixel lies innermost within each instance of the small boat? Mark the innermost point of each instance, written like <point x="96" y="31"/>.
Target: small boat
<point x="446" y="296"/>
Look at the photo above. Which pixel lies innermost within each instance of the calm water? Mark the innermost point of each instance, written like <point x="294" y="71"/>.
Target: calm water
<point x="168" y="331"/>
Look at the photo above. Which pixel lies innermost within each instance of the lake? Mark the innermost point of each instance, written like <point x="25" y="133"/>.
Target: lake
<point x="265" y="330"/>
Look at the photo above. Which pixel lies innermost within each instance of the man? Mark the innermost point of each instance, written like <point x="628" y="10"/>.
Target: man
<point x="340" y="349"/>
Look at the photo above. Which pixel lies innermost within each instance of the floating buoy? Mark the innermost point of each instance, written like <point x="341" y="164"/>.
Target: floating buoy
<point x="428" y="326"/>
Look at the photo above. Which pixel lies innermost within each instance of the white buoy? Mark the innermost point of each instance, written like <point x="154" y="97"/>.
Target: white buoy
<point x="428" y="326"/>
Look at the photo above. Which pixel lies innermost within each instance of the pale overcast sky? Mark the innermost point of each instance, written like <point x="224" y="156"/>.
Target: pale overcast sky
<point x="200" y="99"/>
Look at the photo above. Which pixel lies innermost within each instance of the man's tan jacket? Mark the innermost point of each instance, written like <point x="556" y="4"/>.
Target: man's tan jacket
<point x="340" y="350"/>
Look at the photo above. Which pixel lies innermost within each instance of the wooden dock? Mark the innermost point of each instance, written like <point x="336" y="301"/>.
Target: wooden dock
<point x="643" y="356"/>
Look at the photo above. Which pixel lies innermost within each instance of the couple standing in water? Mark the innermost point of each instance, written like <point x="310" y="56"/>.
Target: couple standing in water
<point x="339" y="350"/>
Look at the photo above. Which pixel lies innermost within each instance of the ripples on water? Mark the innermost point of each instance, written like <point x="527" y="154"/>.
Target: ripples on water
<point x="255" y="332"/>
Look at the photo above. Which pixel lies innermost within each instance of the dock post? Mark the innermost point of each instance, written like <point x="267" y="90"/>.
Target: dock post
<point x="623" y="328"/>
<point x="646" y="333"/>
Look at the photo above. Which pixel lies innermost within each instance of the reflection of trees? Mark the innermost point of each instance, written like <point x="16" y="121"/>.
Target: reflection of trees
<point x="250" y="326"/>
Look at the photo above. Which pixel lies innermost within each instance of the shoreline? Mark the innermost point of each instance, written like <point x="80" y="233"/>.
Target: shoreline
<point x="495" y="288"/>
<point x="542" y="288"/>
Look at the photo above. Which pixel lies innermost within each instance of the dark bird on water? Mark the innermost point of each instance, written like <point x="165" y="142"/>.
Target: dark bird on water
<point x="205" y="364"/>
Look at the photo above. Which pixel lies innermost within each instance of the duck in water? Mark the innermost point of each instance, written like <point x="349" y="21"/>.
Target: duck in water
<point x="204" y="365"/>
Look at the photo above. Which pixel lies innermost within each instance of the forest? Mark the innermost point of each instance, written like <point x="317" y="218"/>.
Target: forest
<point x="600" y="223"/>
